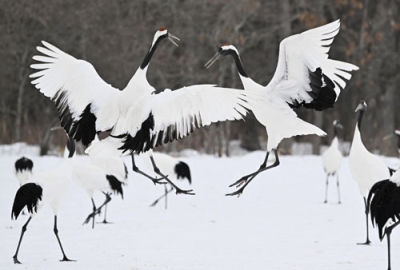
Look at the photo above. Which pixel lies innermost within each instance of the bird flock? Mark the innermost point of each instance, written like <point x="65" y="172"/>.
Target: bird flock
<point x="137" y="119"/>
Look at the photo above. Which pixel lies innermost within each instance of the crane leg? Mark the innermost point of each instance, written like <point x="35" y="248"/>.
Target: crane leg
<point x="245" y="180"/>
<point x="108" y="199"/>
<point x="97" y="211"/>
<point x="164" y="195"/>
<point x="367" y="242"/>
<point x="64" y="259"/>
<point x="338" y="188"/>
<point x="388" y="231"/>
<point x="178" y="190"/>
<point x="15" y="257"/>
<point x="326" y="188"/>
<point x="94" y="210"/>
<point x="137" y="170"/>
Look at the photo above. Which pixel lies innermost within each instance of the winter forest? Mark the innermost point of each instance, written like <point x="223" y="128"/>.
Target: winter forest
<point x="115" y="35"/>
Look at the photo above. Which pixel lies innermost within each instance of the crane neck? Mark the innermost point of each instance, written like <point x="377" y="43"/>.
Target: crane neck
<point x="335" y="131"/>
<point x="239" y="64"/>
<point x="149" y="55"/>
<point x="360" y="118"/>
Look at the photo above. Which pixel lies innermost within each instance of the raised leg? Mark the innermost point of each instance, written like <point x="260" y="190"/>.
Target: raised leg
<point x="178" y="190"/>
<point x="64" y="259"/>
<point x="338" y="188"/>
<point x="326" y="188"/>
<point x="164" y="195"/>
<point x="98" y="210"/>
<point x="15" y="257"/>
<point x="367" y="242"/>
<point x="137" y="170"/>
<point x="245" y="180"/>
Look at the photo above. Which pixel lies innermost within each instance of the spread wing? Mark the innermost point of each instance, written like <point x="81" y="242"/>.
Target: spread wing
<point x="78" y="92"/>
<point x="175" y="114"/>
<point x="304" y="75"/>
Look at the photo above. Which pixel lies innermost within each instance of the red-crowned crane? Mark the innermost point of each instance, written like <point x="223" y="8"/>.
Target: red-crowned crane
<point x="365" y="167"/>
<point x="138" y="119"/>
<point x="304" y="77"/>
<point x="332" y="160"/>
<point x="384" y="204"/>
<point x="45" y="187"/>
<point x="106" y="173"/>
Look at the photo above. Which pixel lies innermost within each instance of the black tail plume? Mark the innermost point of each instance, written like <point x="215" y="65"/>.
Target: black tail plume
<point x="115" y="184"/>
<point x="182" y="170"/>
<point x="27" y="195"/>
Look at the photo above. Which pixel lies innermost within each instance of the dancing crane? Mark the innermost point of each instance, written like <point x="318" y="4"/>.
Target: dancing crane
<point x="332" y="159"/>
<point x="384" y="204"/>
<point x="46" y="187"/>
<point x="304" y="77"/>
<point x="138" y="119"/>
<point x="365" y="167"/>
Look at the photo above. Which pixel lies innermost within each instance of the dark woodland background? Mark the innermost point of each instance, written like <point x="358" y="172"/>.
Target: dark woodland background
<point x="115" y="35"/>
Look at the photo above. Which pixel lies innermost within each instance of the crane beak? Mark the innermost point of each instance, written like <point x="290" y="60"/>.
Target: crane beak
<point x="172" y="38"/>
<point x="212" y="60"/>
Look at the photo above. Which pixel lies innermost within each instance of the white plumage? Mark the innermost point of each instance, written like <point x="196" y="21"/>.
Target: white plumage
<point x="332" y="160"/>
<point x="365" y="167"/>
<point x="138" y="117"/>
<point x="45" y="187"/>
<point x="105" y="174"/>
<point x="304" y="77"/>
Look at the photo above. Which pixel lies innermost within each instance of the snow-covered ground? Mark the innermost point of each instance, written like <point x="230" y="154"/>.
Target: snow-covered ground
<point x="280" y="222"/>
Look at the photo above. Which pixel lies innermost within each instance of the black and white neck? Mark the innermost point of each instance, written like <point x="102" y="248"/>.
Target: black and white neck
<point x="361" y="108"/>
<point x="158" y="36"/>
<point x="231" y="50"/>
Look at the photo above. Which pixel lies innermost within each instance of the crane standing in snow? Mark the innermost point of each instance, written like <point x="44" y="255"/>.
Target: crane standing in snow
<point x="332" y="160"/>
<point x="365" y="167"/>
<point x="106" y="173"/>
<point x="138" y="119"/>
<point x="46" y="187"/>
<point x="304" y="77"/>
<point x="384" y="204"/>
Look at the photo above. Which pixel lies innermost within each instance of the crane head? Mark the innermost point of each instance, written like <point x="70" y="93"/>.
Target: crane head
<point x="361" y="106"/>
<point x="337" y="124"/>
<point x="224" y="50"/>
<point x="163" y="33"/>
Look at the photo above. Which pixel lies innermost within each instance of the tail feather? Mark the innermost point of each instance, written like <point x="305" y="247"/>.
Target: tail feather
<point x="27" y="195"/>
<point x="182" y="170"/>
<point x="115" y="184"/>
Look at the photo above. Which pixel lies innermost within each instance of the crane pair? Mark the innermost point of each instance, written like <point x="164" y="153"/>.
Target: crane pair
<point x="138" y="119"/>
